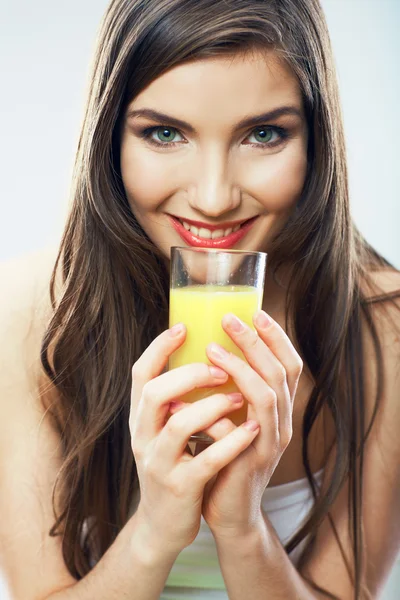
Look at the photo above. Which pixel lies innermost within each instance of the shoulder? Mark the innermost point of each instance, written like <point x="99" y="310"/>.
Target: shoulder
<point x="25" y="309"/>
<point x="30" y="449"/>
<point x="381" y="303"/>
<point x="379" y="461"/>
<point x="382" y="336"/>
<point x="381" y="284"/>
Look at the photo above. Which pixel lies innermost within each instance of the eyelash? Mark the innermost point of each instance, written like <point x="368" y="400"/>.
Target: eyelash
<point x="281" y="131"/>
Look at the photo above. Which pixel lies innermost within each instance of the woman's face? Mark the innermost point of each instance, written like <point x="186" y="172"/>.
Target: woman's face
<point x="213" y="169"/>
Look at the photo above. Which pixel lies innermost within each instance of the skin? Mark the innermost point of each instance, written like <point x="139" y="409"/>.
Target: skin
<point x="224" y="483"/>
<point x="212" y="174"/>
<point x="215" y="175"/>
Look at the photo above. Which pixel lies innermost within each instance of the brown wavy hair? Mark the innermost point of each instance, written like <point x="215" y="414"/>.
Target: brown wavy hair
<point x="113" y="298"/>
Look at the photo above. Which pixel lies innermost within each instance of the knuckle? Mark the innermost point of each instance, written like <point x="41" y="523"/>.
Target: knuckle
<point x="137" y="448"/>
<point x="177" y="487"/>
<point x="223" y="425"/>
<point x="208" y="465"/>
<point x="286" y="437"/>
<point x="151" y="470"/>
<point x="147" y="392"/>
<point x="270" y="399"/>
<point x="252" y="378"/>
<point x="175" y="426"/>
<point x="280" y="375"/>
<point x="136" y="371"/>
<point x="298" y="368"/>
<point x="243" y="370"/>
<point x="253" y="340"/>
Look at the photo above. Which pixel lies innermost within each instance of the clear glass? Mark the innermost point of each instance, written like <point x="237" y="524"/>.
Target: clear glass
<point x="205" y="284"/>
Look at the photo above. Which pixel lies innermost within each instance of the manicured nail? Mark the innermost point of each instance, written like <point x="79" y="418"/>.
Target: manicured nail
<point x="262" y="320"/>
<point x="235" y="397"/>
<point x="251" y="425"/>
<point x="218" y="373"/>
<point x="218" y="351"/>
<point x="235" y="324"/>
<point x="176" y="330"/>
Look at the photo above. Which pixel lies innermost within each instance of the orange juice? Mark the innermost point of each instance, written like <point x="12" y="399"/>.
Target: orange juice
<point x="201" y="309"/>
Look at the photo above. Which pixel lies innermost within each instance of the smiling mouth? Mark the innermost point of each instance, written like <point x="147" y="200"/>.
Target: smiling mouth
<point x="211" y="238"/>
<point x="211" y="232"/>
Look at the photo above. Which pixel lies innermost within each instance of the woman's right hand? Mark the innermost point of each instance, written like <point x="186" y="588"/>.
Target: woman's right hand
<point x="171" y="480"/>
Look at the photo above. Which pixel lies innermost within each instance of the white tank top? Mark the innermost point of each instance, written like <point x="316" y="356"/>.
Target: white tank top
<point x="196" y="574"/>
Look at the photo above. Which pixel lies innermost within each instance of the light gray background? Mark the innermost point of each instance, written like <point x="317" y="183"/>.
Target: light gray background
<point x="45" y="50"/>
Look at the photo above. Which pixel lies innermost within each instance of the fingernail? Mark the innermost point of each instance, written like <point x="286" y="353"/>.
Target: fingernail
<point x="176" y="330"/>
<point x="218" y="351"/>
<point x="217" y="373"/>
<point x="235" y="397"/>
<point x="235" y="324"/>
<point x="263" y="320"/>
<point x="251" y="425"/>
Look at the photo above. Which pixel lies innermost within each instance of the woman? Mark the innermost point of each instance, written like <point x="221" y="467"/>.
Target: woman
<point x="250" y="128"/>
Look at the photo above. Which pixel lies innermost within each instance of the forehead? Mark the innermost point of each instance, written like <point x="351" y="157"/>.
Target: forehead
<point x="225" y="86"/>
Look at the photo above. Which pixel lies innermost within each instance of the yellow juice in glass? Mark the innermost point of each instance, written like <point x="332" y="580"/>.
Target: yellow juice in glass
<point x="201" y="309"/>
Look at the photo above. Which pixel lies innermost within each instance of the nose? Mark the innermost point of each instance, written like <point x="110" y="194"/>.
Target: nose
<point x="213" y="192"/>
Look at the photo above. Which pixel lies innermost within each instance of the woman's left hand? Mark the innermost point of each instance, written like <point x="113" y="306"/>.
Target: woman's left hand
<point x="268" y="381"/>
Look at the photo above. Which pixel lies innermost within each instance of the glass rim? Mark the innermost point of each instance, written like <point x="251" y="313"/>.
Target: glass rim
<point x="219" y="250"/>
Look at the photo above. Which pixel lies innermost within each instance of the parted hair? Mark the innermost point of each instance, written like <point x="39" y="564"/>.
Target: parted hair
<point x="113" y="298"/>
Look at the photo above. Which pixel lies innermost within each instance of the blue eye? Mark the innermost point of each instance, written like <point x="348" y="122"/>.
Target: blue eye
<point x="265" y="133"/>
<point x="165" y="135"/>
<point x="268" y="136"/>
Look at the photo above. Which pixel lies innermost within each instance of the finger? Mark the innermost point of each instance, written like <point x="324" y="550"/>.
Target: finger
<point x="278" y="341"/>
<point x="216" y="431"/>
<point x="262" y="399"/>
<point x="199" y="416"/>
<point x="221" y="453"/>
<point x="160" y="391"/>
<point x="258" y="354"/>
<point x="255" y="350"/>
<point x="153" y="360"/>
<point x="267" y="365"/>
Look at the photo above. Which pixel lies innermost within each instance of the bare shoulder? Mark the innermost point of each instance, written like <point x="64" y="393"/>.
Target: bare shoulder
<point x="379" y="283"/>
<point x="25" y="302"/>
<point x="25" y="275"/>
<point x="380" y="416"/>
<point x="30" y="455"/>
<point x="383" y="304"/>
<point x="382" y="300"/>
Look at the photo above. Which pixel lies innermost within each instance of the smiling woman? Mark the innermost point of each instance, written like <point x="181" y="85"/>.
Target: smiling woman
<point x="220" y="165"/>
<point x="211" y="123"/>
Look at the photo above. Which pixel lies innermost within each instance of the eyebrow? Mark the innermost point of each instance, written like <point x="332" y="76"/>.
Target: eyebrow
<point x="154" y="115"/>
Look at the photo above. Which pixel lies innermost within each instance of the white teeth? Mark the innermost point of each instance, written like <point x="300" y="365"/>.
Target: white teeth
<point x="204" y="233"/>
<point x="217" y="233"/>
<point x="207" y="234"/>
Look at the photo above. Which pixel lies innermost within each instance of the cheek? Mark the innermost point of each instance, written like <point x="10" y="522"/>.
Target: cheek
<point x="147" y="176"/>
<point x="277" y="180"/>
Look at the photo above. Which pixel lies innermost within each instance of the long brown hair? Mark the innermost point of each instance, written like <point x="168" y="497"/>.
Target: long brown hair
<point x="113" y="298"/>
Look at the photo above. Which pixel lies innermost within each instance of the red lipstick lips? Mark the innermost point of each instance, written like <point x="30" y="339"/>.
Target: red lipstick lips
<point x="222" y="242"/>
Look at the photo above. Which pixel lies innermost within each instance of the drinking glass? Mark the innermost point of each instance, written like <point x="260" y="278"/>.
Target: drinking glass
<point x="205" y="284"/>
